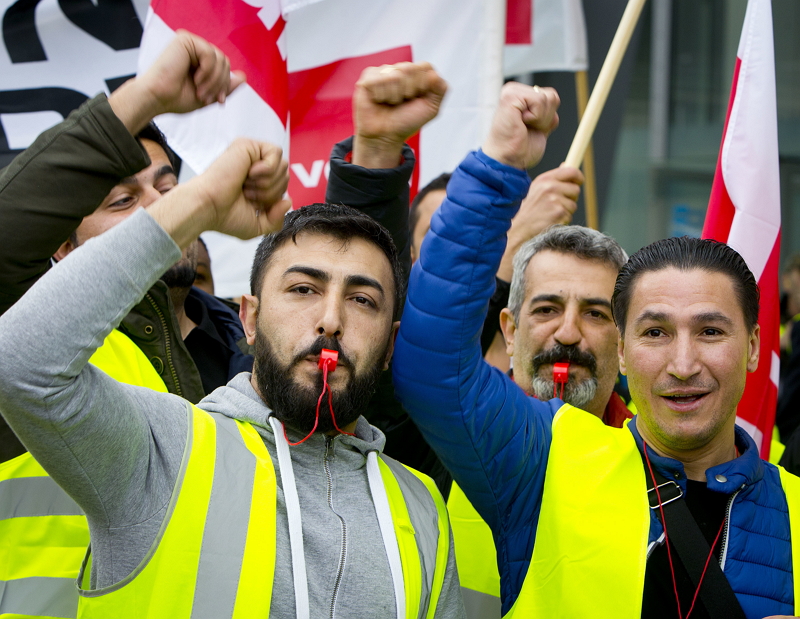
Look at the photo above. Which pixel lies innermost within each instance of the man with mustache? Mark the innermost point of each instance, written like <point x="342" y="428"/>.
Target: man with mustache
<point x="673" y="515"/>
<point x="270" y="497"/>
<point x="559" y="310"/>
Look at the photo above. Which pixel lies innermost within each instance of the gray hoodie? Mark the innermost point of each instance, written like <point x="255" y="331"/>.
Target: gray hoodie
<point x="117" y="449"/>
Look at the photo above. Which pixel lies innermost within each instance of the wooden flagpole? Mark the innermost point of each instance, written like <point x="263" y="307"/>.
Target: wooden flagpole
<point x="604" y="82"/>
<point x="590" y="185"/>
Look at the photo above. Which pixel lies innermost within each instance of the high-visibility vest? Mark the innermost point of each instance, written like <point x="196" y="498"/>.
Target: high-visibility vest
<point x="594" y="474"/>
<point x="216" y="556"/>
<point x="43" y="532"/>
<point x="476" y="558"/>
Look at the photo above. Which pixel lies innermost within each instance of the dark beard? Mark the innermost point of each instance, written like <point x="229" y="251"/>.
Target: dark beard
<point x="180" y="275"/>
<point x="295" y="405"/>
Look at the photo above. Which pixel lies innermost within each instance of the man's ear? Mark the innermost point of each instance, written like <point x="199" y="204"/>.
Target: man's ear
<point x="755" y="349"/>
<point x="621" y="355"/>
<point x="509" y="328"/>
<point x="248" y="314"/>
<point x="390" y="349"/>
<point x="62" y="252"/>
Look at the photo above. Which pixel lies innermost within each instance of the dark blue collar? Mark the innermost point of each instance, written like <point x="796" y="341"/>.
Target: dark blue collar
<point x="727" y="477"/>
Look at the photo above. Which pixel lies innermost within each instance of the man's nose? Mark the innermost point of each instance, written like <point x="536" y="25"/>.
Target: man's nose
<point x="683" y="359"/>
<point x="568" y="332"/>
<point x="149" y="195"/>
<point x="331" y="322"/>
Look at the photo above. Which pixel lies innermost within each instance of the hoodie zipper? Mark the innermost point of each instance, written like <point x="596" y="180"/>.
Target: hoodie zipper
<point x="167" y="344"/>
<point x="329" y="455"/>
<point x="723" y="553"/>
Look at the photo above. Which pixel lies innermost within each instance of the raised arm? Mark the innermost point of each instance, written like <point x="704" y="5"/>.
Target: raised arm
<point x="486" y="430"/>
<point x="103" y="441"/>
<point x="86" y="155"/>
<point x="371" y="171"/>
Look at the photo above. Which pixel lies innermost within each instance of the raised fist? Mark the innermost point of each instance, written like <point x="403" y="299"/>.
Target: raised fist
<point x="525" y="116"/>
<point x="390" y="104"/>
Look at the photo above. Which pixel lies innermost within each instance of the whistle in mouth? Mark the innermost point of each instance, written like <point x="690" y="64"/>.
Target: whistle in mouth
<point x="560" y="373"/>
<point x="329" y="358"/>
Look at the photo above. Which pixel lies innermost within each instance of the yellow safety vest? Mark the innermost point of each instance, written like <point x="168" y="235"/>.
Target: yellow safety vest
<point x="476" y="558"/>
<point x="594" y="474"/>
<point x="215" y="557"/>
<point x="43" y="532"/>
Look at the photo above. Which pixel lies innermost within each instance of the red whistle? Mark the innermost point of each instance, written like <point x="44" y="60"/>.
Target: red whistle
<point x="560" y="373"/>
<point x="329" y="358"/>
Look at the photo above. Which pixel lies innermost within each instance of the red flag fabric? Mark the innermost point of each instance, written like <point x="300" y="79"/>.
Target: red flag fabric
<point x="744" y="210"/>
<point x="302" y="59"/>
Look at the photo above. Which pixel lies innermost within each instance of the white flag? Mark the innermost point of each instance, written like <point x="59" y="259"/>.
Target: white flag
<point x="544" y="35"/>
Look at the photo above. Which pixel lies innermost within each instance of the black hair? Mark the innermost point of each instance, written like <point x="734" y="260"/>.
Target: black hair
<point x="336" y="220"/>
<point x="153" y="133"/>
<point x="438" y="183"/>
<point x="686" y="253"/>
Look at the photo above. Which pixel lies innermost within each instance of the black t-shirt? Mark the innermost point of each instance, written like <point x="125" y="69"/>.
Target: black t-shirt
<point x="708" y="508"/>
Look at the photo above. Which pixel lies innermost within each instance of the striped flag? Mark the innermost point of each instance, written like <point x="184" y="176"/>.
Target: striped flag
<point x="744" y="209"/>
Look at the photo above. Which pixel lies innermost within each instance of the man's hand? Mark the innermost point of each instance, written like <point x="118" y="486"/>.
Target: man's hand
<point x="552" y="199"/>
<point x="390" y="104"/>
<point x="189" y="74"/>
<point x="240" y="194"/>
<point x="524" y="118"/>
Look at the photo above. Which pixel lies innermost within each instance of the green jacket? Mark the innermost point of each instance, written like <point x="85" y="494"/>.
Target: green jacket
<point x="82" y="158"/>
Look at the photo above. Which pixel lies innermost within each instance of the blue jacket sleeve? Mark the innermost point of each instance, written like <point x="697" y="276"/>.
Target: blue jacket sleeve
<point x="492" y="436"/>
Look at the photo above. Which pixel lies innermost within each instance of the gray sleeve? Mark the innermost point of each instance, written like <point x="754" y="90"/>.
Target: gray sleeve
<point x="115" y="449"/>
<point x="451" y="603"/>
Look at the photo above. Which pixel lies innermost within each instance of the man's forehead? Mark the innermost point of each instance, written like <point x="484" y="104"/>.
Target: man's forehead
<point x="330" y="253"/>
<point x="567" y="275"/>
<point x="671" y="294"/>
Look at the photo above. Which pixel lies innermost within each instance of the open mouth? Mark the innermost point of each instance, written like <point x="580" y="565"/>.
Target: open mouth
<point x="685" y="399"/>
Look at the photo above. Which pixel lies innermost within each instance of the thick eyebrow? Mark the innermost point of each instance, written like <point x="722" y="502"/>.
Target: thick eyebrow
<point x="597" y="301"/>
<point x="363" y="280"/>
<point x="713" y="317"/>
<point x="651" y="316"/>
<point x="310" y="271"/>
<point x="554" y="298"/>
<point x="160" y="173"/>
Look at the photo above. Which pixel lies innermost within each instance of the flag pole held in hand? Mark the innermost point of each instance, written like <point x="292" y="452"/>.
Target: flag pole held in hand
<point x="604" y="82"/>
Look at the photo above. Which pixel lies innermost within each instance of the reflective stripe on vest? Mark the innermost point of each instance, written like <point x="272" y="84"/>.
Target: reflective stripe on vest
<point x="216" y="555"/>
<point x="594" y="474"/>
<point x="43" y="533"/>
<point x="791" y="486"/>
<point x="476" y="558"/>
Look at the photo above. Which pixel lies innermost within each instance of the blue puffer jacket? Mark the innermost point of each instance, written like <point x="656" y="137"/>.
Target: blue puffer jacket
<point x="495" y="439"/>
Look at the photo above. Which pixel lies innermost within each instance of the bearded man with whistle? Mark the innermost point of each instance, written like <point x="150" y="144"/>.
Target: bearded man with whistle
<point x="672" y="515"/>
<point x="270" y="497"/>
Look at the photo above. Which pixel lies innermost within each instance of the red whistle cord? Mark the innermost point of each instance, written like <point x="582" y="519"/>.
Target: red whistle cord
<point x="325" y="389"/>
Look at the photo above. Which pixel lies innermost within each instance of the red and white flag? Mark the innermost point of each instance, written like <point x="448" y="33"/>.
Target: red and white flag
<point x="544" y="35"/>
<point x="745" y="210"/>
<point x="302" y="60"/>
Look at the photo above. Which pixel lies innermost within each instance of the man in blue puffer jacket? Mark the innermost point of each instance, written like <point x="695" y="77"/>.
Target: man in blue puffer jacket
<point x="566" y="496"/>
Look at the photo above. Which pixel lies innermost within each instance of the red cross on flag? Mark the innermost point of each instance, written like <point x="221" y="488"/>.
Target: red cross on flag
<point x="744" y="210"/>
<point x="302" y="59"/>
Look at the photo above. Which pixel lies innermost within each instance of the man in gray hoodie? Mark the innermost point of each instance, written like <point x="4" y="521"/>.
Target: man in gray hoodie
<point x="270" y="498"/>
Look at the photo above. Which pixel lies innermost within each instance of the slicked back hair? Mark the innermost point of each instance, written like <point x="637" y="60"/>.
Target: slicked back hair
<point x="685" y="254"/>
<point x="338" y="221"/>
<point x="577" y="241"/>
<point x="437" y="184"/>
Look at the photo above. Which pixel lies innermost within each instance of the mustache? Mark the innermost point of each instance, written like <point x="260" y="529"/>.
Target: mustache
<point x="571" y="354"/>
<point x="693" y="382"/>
<point x="315" y="348"/>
